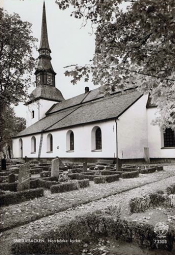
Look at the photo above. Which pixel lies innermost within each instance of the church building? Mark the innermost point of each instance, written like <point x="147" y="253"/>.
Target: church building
<point x="89" y="126"/>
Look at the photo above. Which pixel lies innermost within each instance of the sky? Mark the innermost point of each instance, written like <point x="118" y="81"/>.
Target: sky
<point x="70" y="43"/>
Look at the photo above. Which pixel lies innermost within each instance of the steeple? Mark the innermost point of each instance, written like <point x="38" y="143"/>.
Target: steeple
<point x="45" y="74"/>
<point x="44" y="43"/>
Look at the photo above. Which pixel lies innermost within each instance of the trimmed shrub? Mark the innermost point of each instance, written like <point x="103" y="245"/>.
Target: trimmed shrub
<point x="90" y="227"/>
<point x="45" y="174"/>
<point x="77" y="170"/>
<point x="171" y="189"/>
<point x="148" y="170"/>
<point x="130" y="174"/>
<point x="68" y="186"/>
<point x="112" y="178"/>
<point x="34" y="183"/>
<point x="106" y="172"/>
<point x="88" y="173"/>
<point x="9" y="186"/>
<point x="129" y="169"/>
<point x="20" y="196"/>
<point x="36" y="171"/>
<point x="100" y="179"/>
<point x="46" y="184"/>
<point x="90" y="177"/>
<point x="100" y="167"/>
<point x="141" y="204"/>
<point x="159" y="168"/>
<point x="4" y="173"/>
<point x="83" y="183"/>
<point x="53" y="178"/>
<point x="76" y="176"/>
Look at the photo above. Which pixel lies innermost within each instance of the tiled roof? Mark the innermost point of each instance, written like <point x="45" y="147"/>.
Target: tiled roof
<point x="76" y="111"/>
<point x="46" y="92"/>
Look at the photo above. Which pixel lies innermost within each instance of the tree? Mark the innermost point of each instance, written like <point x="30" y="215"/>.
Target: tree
<point x="135" y="46"/>
<point x="16" y="62"/>
<point x="11" y="126"/>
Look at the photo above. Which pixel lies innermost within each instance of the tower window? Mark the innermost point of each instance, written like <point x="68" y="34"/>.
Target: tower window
<point x="169" y="138"/>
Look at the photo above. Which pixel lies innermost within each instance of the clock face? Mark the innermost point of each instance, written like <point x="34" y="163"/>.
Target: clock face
<point x="49" y="79"/>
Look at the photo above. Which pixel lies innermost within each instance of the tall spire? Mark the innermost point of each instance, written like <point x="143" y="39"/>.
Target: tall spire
<point x="45" y="74"/>
<point x="44" y="43"/>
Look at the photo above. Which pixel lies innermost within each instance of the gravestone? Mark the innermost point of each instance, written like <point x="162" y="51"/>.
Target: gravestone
<point x="55" y="167"/>
<point x="3" y="164"/>
<point x="85" y="166"/>
<point x="24" y="177"/>
<point x="146" y="154"/>
<point x="11" y="178"/>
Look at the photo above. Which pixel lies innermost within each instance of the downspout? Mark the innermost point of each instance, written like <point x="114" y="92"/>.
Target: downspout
<point x="116" y="145"/>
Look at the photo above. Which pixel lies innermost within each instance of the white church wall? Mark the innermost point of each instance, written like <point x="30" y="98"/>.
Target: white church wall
<point x="39" y="107"/>
<point x="132" y="131"/>
<point x="82" y="143"/>
<point x="155" y="138"/>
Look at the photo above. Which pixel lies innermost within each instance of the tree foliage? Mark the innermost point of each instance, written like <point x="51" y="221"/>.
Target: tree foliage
<point x="11" y="125"/>
<point x="16" y="63"/>
<point x="135" y="46"/>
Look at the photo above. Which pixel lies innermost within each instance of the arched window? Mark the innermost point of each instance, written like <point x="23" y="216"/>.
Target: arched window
<point x="33" y="144"/>
<point x="169" y="138"/>
<point x="33" y="114"/>
<point x="20" y="148"/>
<point x="70" y="141"/>
<point x="49" y="142"/>
<point x="98" y="141"/>
<point x="96" y="138"/>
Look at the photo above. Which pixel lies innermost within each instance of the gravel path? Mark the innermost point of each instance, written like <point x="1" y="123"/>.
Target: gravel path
<point x="157" y="181"/>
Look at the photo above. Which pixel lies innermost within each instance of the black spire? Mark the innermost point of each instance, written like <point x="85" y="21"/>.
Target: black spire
<point x="45" y="74"/>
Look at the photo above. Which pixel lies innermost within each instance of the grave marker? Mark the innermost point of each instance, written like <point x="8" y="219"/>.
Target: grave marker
<point x="24" y="177"/>
<point x="55" y="167"/>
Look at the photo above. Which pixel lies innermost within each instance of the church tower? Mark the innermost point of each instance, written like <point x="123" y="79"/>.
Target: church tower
<point x="45" y="94"/>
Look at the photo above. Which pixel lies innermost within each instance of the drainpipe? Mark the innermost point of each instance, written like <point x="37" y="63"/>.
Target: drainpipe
<point x="116" y="144"/>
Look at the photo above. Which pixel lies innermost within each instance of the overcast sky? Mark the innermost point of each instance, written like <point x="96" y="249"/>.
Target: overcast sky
<point x="69" y="42"/>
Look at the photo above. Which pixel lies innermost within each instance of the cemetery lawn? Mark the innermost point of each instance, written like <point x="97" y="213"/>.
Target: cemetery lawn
<point x="51" y="204"/>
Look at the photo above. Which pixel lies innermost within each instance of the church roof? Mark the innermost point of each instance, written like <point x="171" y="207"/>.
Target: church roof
<point x="86" y="108"/>
<point x="46" y="92"/>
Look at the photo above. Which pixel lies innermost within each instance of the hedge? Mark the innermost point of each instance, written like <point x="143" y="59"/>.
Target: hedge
<point x="77" y="170"/>
<point x="100" y="179"/>
<point x="88" y="173"/>
<point x="4" y="173"/>
<point x="106" y="172"/>
<point x="130" y="174"/>
<point x="20" y="196"/>
<point x="36" y="170"/>
<point x="106" y="178"/>
<point x="46" y="184"/>
<point x="129" y="169"/>
<point x="89" y="228"/>
<point x="171" y="189"/>
<point x="148" y="170"/>
<point x="76" y="176"/>
<point x="45" y="174"/>
<point x="34" y="183"/>
<point x="159" y="168"/>
<point x="9" y="186"/>
<point x="141" y="204"/>
<point x="68" y="186"/>
<point x="90" y="177"/>
<point x="112" y="178"/>
<point x="83" y="183"/>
